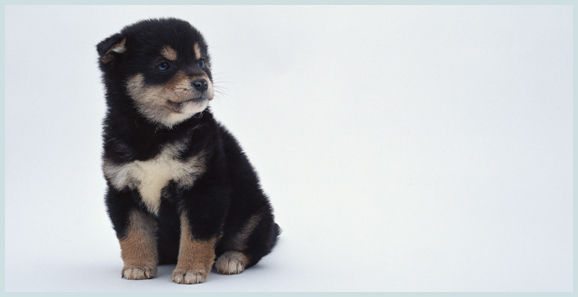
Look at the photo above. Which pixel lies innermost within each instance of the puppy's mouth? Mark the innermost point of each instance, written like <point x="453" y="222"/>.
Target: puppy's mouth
<point x="195" y="100"/>
<point x="184" y="102"/>
<point x="192" y="105"/>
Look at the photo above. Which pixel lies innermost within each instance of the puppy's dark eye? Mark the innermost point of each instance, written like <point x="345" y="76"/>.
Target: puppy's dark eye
<point x="163" y="66"/>
<point x="201" y="63"/>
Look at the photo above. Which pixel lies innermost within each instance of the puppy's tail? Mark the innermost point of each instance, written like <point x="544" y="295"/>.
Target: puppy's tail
<point x="276" y="231"/>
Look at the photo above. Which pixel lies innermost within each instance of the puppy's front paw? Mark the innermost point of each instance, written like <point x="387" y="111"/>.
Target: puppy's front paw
<point x="182" y="276"/>
<point x="139" y="272"/>
<point x="231" y="263"/>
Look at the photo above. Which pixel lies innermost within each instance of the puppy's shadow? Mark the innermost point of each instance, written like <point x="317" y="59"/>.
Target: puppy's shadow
<point x="166" y="270"/>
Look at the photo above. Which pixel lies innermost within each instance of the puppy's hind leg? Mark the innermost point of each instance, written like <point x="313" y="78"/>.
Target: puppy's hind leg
<point x="233" y="260"/>
<point x="255" y="239"/>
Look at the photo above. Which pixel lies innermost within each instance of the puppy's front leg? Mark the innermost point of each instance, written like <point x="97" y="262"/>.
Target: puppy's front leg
<point x="138" y="247"/>
<point x="195" y="256"/>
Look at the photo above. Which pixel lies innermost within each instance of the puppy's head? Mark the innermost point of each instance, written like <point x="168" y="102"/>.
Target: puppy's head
<point x="162" y="65"/>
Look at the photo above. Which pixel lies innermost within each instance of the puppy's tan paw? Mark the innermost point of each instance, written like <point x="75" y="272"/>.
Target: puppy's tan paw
<point x="231" y="263"/>
<point x="181" y="276"/>
<point x="139" y="272"/>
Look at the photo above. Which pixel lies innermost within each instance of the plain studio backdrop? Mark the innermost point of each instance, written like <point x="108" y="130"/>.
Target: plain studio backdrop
<point x="404" y="148"/>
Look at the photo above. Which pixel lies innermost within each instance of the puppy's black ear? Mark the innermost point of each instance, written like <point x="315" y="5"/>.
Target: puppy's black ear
<point x="109" y="48"/>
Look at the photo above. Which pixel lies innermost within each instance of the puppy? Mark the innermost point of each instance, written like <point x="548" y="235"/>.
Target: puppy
<point x="180" y="188"/>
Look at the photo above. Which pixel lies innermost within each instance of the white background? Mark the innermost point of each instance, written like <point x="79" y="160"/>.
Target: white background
<point x="404" y="148"/>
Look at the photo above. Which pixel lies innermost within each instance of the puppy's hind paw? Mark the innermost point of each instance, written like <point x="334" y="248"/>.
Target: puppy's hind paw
<point x="138" y="272"/>
<point x="231" y="263"/>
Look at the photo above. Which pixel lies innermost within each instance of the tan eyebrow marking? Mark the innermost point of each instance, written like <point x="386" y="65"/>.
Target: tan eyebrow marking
<point x="197" y="51"/>
<point x="169" y="53"/>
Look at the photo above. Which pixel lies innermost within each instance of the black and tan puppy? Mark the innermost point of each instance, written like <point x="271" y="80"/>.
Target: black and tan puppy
<point x="180" y="189"/>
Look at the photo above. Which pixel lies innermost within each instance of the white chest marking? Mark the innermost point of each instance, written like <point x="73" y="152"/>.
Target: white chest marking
<point x="151" y="176"/>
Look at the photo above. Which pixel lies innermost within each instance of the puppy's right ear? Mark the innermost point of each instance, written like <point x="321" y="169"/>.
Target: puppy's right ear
<point x="112" y="46"/>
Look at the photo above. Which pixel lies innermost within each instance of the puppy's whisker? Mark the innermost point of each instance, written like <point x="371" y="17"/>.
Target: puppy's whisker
<point x="221" y="89"/>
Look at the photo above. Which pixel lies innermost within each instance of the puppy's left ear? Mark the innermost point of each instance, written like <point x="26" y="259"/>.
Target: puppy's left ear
<point x="112" y="46"/>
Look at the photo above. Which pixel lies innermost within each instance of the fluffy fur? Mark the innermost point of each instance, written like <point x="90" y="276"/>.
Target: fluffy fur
<point x="180" y="188"/>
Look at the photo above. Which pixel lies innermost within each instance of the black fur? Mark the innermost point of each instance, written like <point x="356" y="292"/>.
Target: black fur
<point x="228" y="192"/>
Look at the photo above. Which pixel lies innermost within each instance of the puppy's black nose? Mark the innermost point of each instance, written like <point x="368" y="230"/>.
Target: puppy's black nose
<point x="200" y="84"/>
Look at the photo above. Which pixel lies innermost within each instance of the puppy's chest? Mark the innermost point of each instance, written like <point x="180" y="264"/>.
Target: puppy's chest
<point x="151" y="176"/>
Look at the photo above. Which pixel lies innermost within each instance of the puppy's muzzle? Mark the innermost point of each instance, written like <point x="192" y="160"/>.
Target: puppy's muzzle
<point x="200" y="84"/>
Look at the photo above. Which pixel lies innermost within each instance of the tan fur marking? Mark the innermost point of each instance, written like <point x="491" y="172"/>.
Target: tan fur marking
<point x="195" y="257"/>
<point x="151" y="176"/>
<point x="161" y="104"/>
<point x="179" y="82"/>
<point x="197" y="51"/>
<point x="169" y="53"/>
<point x="239" y="241"/>
<point x="138" y="247"/>
<point x="232" y="262"/>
